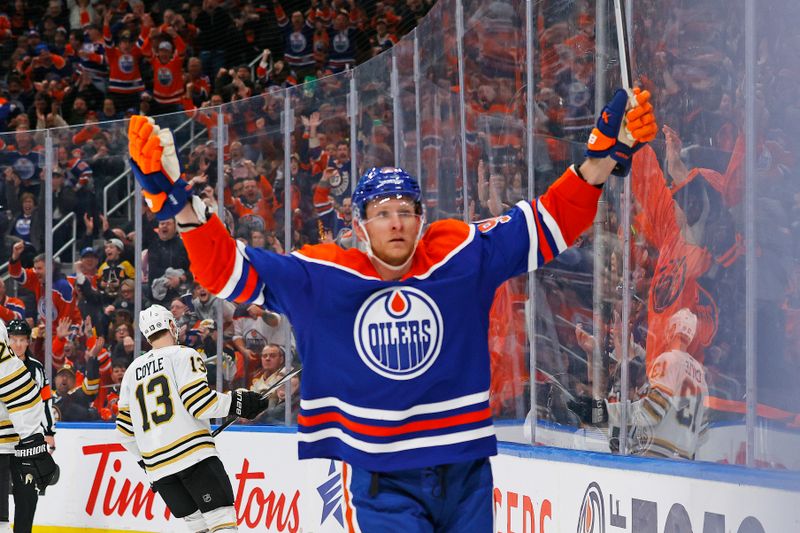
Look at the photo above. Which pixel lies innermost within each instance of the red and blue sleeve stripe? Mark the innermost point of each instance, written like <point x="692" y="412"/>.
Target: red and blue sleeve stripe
<point x="221" y="264"/>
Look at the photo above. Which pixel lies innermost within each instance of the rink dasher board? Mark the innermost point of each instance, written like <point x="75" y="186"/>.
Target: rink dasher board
<point x="537" y="490"/>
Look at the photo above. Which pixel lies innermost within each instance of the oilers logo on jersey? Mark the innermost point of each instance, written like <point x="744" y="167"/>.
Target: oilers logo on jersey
<point x="341" y="42"/>
<point x="298" y="41"/>
<point x="165" y="76"/>
<point x="398" y="332"/>
<point x="126" y="63"/>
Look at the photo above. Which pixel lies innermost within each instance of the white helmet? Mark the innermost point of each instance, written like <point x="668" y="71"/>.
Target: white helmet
<point x="3" y="333"/>
<point x="157" y="318"/>
<point x="683" y="322"/>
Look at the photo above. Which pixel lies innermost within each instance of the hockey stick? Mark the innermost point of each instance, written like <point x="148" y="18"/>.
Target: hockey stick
<point x="622" y="43"/>
<point x="624" y="54"/>
<point x="283" y="381"/>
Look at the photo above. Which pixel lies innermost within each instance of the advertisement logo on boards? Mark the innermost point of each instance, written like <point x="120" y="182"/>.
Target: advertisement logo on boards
<point x="593" y="512"/>
<point x="331" y="493"/>
<point x="644" y="516"/>
<point x="113" y="493"/>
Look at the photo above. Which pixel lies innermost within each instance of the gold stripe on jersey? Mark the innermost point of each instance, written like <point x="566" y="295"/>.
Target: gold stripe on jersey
<point x="24" y="407"/>
<point x="7" y="432"/>
<point x="5" y="352"/>
<point x="24" y="398"/>
<point x="178" y="450"/>
<point x="652" y="411"/>
<point x="125" y="429"/>
<point x="171" y="446"/>
<point x="663" y="389"/>
<point x="194" y="448"/>
<point x="206" y="407"/>
<point x="23" y="387"/>
<point x="199" y="401"/>
<point x="189" y="400"/>
<point x="14" y="375"/>
<point x="657" y="397"/>
<point x="230" y="525"/>
<point x="124" y="422"/>
<point x="91" y="386"/>
<point x="185" y="388"/>
<point x="668" y="449"/>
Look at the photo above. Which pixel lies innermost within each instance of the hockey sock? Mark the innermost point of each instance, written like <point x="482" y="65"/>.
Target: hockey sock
<point x="221" y="519"/>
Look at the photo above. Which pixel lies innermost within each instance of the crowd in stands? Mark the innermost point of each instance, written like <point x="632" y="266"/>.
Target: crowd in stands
<point x="688" y="219"/>
<point x="76" y="68"/>
<point x="688" y="222"/>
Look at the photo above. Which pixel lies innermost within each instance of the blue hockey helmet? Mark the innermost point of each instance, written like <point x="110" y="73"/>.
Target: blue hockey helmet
<point x="384" y="182"/>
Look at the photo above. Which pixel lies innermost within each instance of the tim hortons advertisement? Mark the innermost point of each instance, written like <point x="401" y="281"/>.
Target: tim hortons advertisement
<point x="101" y="487"/>
<point x="538" y="496"/>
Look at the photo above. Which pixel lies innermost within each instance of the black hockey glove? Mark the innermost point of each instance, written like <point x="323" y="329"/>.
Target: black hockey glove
<point x="247" y="404"/>
<point x="589" y="410"/>
<point x="34" y="463"/>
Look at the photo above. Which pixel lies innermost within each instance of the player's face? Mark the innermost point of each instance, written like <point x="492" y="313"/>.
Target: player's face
<point x="392" y="225"/>
<point x="18" y="343"/>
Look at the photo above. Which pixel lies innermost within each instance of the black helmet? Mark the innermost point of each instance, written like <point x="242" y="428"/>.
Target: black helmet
<point x="19" y="327"/>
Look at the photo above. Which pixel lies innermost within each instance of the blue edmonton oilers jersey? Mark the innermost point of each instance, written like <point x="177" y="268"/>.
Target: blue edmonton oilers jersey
<point x="396" y="373"/>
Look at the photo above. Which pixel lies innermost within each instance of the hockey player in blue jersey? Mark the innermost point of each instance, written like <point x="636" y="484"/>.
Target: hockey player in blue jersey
<point x="394" y="339"/>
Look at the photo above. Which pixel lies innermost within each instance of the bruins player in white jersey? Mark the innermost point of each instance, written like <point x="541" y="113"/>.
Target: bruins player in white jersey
<point x="25" y="497"/>
<point x="670" y="420"/>
<point x="22" y="435"/>
<point x="165" y="405"/>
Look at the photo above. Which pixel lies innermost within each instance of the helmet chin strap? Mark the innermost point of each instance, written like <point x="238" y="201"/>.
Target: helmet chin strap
<point x="380" y="261"/>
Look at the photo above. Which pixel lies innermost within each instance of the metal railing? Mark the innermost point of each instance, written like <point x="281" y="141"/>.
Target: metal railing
<point x="4" y="275"/>
<point x="126" y="174"/>
<point x="74" y="239"/>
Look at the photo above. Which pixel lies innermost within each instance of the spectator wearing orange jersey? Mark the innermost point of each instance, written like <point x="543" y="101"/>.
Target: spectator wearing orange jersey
<point x="200" y="89"/>
<point x="108" y="394"/>
<point x="125" y="82"/>
<point x="10" y="308"/>
<point x="254" y="207"/>
<point x="44" y="64"/>
<point x="168" y="78"/>
<point x="64" y="302"/>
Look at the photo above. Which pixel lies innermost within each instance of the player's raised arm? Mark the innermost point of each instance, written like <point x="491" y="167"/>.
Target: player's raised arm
<point x="555" y="220"/>
<point x="218" y="262"/>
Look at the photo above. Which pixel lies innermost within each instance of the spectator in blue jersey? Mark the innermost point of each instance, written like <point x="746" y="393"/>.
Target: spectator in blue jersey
<point x="298" y="44"/>
<point x="396" y="366"/>
<point x="342" y="49"/>
<point x="23" y="163"/>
